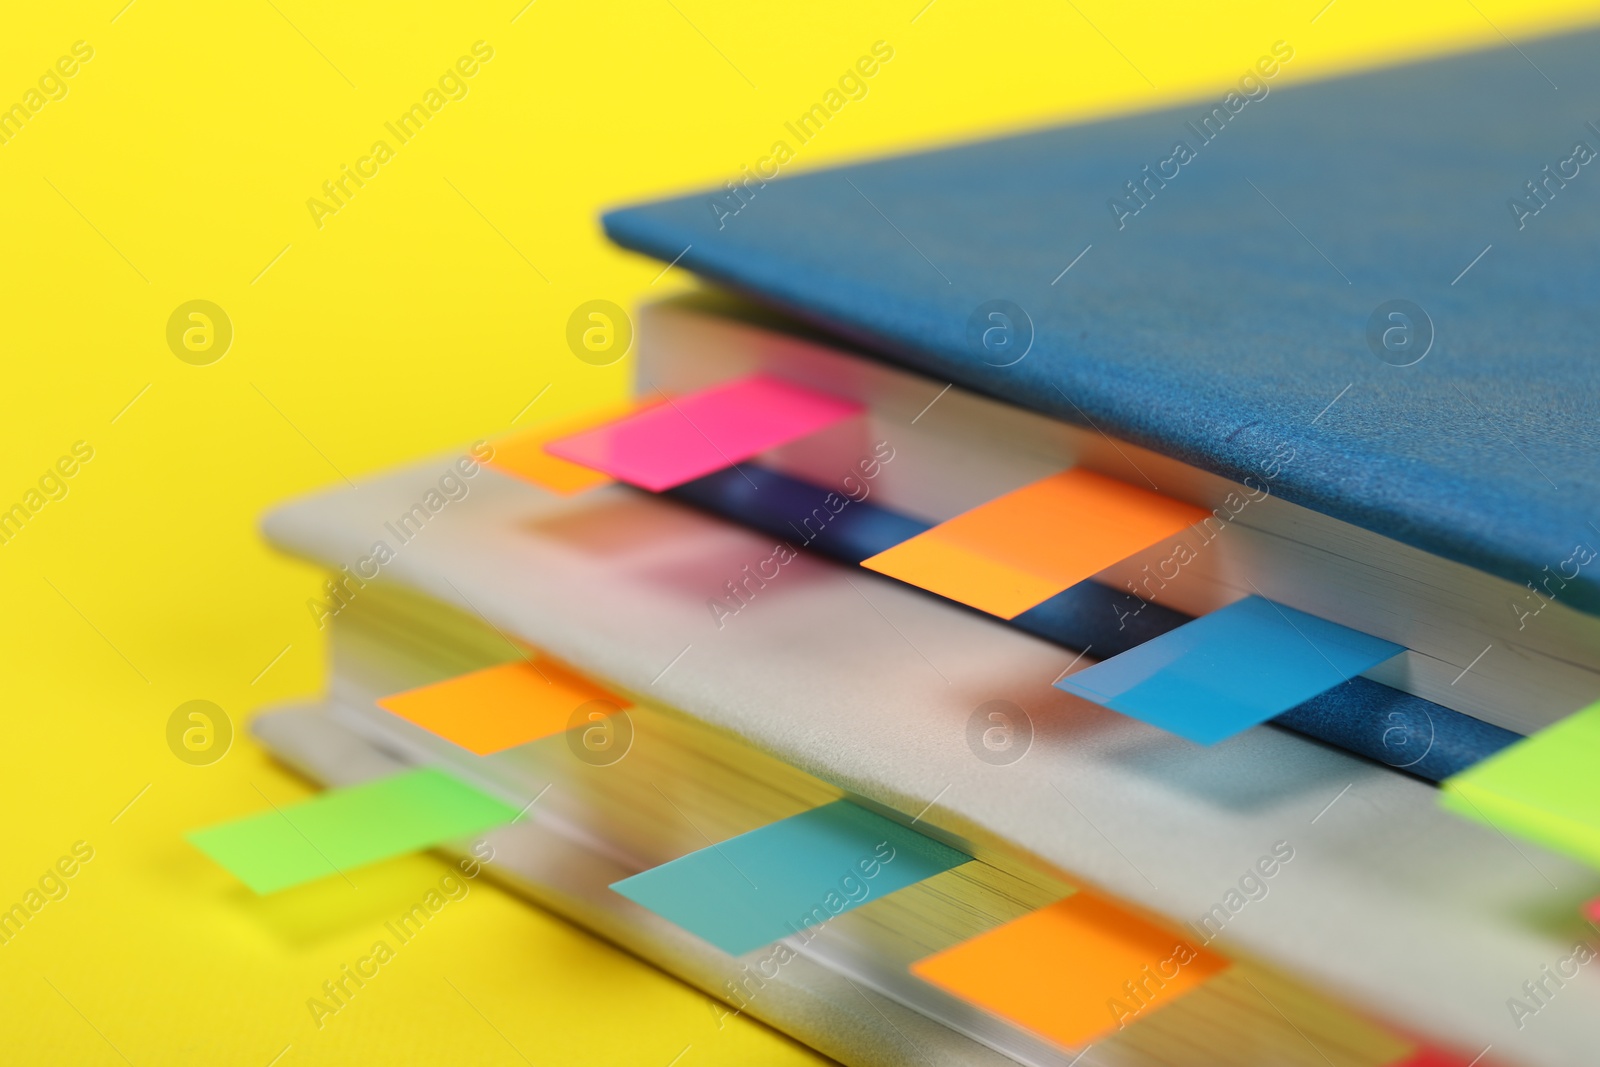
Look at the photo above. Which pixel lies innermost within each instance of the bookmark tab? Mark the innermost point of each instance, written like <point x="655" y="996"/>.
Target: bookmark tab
<point x="694" y="435"/>
<point x="1433" y="1056"/>
<point x="523" y="456"/>
<point x="1232" y="669"/>
<point x="1020" y="549"/>
<point x="343" y="829"/>
<point x="491" y="710"/>
<point x="1065" y="971"/>
<point x="789" y="876"/>
<point x="1543" y="788"/>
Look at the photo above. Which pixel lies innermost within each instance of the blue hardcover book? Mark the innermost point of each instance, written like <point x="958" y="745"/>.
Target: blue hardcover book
<point x="1390" y="276"/>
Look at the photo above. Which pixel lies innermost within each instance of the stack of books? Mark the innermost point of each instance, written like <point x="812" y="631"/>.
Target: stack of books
<point x="1009" y="625"/>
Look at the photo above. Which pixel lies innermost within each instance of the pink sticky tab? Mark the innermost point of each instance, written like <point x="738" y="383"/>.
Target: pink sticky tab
<point x="694" y="435"/>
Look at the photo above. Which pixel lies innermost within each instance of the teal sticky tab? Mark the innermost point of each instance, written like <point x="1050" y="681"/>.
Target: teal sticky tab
<point x="343" y="829"/>
<point x="794" y="874"/>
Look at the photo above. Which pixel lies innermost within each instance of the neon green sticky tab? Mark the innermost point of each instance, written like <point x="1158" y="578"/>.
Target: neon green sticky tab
<point x="1545" y="788"/>
<point x="343" y="829"/>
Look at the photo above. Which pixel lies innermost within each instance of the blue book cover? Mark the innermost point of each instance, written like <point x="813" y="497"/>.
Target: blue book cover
<point x="1394" y="273"/>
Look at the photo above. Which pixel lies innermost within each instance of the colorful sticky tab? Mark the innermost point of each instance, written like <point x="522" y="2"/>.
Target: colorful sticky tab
<point x="523" y="456"/>
<point x="491" y="710"/>
<point x="1544" y="788"/>
<point x="1022" y="548"/>
<point x="789" y="876"/>
<point x="1232" y="669"/>
<point x="692" y="436"/>
<point x="342" y="829"/>
<point x="1433" y="1056"/>
<point x="1072" y="972"/>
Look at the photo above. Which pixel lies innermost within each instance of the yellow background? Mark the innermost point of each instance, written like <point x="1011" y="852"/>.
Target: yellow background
<point x="177" y="167"/>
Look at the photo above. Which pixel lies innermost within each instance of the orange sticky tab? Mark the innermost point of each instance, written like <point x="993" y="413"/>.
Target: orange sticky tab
<point x="492" y="710"/>
<point x="1017" y="550"/>
<point x="1065" y="971"/>
<point x="523" y="456"/>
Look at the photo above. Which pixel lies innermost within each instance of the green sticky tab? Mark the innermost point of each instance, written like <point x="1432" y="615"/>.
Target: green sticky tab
<point x="343" y="829"/>
<point x="1545" y="788"/>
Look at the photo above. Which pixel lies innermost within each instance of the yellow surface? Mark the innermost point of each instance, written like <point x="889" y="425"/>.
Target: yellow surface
<point x="427" y="312"/>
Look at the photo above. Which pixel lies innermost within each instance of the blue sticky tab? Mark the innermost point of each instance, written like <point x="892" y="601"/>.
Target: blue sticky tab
<point x="799" y="872"/>
<point x="1230" y="670"/>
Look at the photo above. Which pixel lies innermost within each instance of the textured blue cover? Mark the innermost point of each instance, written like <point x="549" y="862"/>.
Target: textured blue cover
<point x="1361" y="716"/>
<point x="1223" y="318"/>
